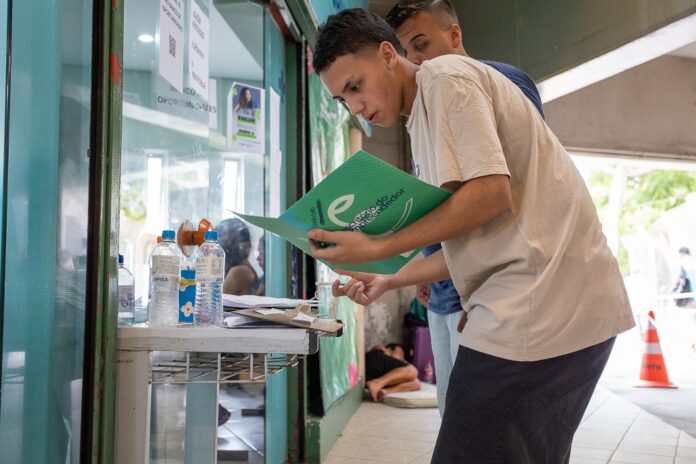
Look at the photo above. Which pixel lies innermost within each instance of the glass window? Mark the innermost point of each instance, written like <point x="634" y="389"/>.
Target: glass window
<point x="46" y="221"/>
<point x="192" y="147"/>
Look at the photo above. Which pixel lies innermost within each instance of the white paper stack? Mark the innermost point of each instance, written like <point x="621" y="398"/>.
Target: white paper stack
<point x="254" y="301"/>
<point x="237" y="321"/>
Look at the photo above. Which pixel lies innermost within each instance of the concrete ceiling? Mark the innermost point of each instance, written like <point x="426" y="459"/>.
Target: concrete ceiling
<point x="638" y="101"/>
<point x="647" y="111"/>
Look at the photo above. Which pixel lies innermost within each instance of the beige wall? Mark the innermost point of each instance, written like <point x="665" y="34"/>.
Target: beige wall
<point x="384" y="318"/>
<point x="650" y="108"/>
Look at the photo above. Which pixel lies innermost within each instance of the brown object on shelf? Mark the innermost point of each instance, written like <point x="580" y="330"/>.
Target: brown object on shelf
<point x="188" y="237"/>
<point x="329" y="326"/>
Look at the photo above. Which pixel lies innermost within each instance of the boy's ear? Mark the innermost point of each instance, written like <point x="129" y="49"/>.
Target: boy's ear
<point x="388" y="53"/>
<point x="456" y="35"/>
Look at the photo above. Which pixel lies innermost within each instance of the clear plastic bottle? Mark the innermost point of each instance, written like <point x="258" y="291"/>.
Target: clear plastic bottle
<point x="126" y="290"/>
<point x="210" y="268"/>
<point x="165" y="263"/>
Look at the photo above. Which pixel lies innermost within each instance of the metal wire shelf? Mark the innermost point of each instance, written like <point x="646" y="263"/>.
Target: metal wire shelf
<point x="227" y="368"/>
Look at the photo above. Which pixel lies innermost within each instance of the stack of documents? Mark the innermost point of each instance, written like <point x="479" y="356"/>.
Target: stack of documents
<point x="238" y="321"/>
<point x="254" y="301"/>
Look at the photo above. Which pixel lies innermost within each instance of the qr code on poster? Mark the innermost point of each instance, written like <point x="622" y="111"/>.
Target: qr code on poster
<point x="172" y="46"/>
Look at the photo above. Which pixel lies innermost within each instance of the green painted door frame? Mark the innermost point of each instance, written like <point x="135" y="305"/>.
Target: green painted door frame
<point x="99" y="423"/>
<point x="99" y="391"/>
<point x="311" y="437"/>
<point x="296" y="140"/>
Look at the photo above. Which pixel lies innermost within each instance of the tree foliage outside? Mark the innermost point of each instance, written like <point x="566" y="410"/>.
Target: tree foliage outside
<point x="132" y="203"/>
<point x="645" y="197"/>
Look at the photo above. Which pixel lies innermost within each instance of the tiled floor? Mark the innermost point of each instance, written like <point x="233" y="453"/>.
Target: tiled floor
<point x="612" y="431"/>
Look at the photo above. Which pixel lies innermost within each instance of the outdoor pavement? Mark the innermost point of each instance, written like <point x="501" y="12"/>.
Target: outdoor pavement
<point x="622" y="424"/>
<point x="677" y="332"/>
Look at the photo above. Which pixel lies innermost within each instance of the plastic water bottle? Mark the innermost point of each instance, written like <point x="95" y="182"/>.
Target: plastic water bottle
<point x="165" y="263"/>
<point x="126" y="290"/>
<point x="210" y="268"/>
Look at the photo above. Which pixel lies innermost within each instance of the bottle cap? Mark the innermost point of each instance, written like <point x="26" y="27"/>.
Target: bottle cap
<point x="211" y="235"/>
<point x="120" y="258"/>
<point x="168" y="234"/>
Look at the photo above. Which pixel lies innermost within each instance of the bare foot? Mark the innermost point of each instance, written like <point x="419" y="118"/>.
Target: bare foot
<point x="382" y="393"/>
<point x="374" y="389"/>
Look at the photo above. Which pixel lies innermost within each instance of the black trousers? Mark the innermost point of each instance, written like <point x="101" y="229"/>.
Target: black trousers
<point x="500" y="411"/>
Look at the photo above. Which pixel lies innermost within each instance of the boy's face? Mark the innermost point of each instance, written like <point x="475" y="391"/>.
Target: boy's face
<point x="425" y="36"/>
<point x="396" y="352"/>
<point x="367" y="84"/>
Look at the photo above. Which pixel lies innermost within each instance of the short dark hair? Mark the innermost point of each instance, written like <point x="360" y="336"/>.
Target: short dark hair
<point x="684" y="251"/>
<point x="350" y="31"/>
<point x="407" y="9"/>
<point x="391" y="346"/>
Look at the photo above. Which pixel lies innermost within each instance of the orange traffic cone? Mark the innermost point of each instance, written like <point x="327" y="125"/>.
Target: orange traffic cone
<point x="653" y="371"/>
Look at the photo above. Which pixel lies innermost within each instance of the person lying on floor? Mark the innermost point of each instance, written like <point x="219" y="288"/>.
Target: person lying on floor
<point x="386" y="372"/>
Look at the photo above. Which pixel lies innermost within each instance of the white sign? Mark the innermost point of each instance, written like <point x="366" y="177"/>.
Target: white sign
<point x="199" y="47"/>
<point x="171" y="42"/>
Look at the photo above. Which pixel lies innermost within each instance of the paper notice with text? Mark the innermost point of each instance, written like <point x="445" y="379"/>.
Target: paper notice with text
<point x="171" y="42"/>
<point x="199" y="50"/>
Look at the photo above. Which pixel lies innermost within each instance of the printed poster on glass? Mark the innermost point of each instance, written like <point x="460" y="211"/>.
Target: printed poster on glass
<point x="245" y="119"/>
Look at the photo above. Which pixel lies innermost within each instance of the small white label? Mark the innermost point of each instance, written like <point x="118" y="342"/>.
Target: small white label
<point x="125" y="298"/>
<point x="209" y="267"/>
<point x="165" y="284"/>
<point x="165" y="266"/>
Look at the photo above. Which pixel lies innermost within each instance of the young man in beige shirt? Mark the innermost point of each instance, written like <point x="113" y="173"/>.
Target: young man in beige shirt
<point x="521" y="242"/>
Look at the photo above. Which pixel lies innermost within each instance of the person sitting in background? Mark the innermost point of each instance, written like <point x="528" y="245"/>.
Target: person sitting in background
<point x="261" y="259"/>
<point x="685" y="281"/>
<point x="387" y="372"/>
<point x="240" y="277"/>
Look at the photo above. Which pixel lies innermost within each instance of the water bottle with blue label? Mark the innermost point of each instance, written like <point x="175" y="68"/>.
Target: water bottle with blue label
<point x="165" y="265"/>
<point x="210" y="268"/>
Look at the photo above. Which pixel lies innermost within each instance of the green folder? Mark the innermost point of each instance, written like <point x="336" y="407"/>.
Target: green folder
<point x="363" y="194"/>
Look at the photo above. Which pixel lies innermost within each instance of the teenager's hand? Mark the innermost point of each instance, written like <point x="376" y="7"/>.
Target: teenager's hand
<point x="344" y="247"/>
<point x="363" y="288"/>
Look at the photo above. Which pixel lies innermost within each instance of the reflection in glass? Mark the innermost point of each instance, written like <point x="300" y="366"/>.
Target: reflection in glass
<point x="179" y="162"/>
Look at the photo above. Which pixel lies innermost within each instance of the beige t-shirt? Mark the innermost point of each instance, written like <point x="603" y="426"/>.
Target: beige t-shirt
<point x="540" y="282"/>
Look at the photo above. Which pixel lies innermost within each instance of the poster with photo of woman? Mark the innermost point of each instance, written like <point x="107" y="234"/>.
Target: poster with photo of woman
<point x="246" y="123"/>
